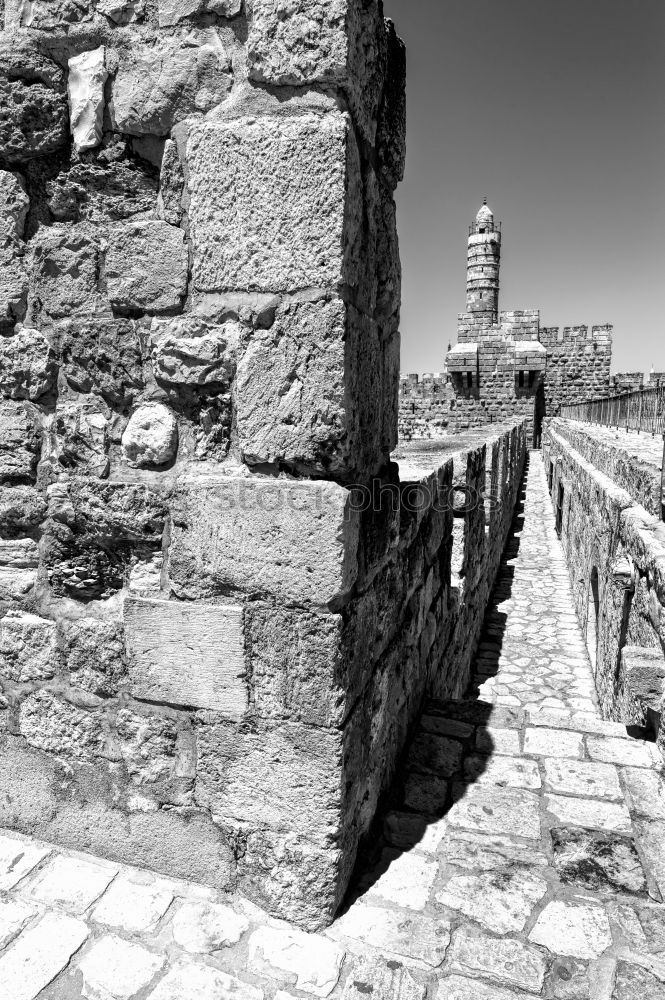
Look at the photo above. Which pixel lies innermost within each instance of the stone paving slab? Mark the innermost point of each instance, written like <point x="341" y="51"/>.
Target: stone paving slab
<point x="521" y="855"/>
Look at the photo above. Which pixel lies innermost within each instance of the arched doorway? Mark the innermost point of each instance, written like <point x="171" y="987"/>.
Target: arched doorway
<point x="592" y="619"/>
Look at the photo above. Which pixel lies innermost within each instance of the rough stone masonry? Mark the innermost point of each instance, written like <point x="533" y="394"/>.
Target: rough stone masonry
<point x="212" y="644"/>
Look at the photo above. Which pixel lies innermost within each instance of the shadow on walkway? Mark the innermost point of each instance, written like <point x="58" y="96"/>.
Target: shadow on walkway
<point x="451" y="746"/>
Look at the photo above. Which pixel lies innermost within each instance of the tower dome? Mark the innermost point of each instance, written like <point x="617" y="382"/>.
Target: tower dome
<point x="485" y="216"/>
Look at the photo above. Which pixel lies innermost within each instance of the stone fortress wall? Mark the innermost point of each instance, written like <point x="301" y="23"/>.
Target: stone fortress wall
<point x="608" y="506"/>
<point x="212" y="645"/>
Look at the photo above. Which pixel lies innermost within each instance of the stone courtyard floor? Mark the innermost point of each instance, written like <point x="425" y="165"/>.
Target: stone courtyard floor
<point x="522" y="854"/>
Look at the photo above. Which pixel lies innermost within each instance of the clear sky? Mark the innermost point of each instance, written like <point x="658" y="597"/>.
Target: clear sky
<point x="555" y="110"/>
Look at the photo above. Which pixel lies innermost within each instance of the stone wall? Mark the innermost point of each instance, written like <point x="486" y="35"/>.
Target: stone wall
<point x="578" y="364"/>
<point x="615" y="549"/>
<point x="212" y="639"/>
<point x="424" y="407"/>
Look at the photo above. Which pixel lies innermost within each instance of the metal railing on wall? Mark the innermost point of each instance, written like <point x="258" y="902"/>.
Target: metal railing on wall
<point x="643" y="410"/>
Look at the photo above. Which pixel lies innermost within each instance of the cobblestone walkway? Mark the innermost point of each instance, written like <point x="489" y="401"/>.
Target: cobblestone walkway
<point x="522" y="856"/>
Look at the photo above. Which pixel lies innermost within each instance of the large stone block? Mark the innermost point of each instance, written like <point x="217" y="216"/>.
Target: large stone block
<point x="259" y="535"/>
<point x="28" y="647"/>
<point x="82" y="428"/>
<point x="27" y="365"/>
<point x="21" y="508"/>
<point x="188" y="351"/>
<point x="95" y="654"/>
<point x="64" y="271"/>
<point x="187" y="654"/>
<point x="100" y="356"/>
<point x="158" y="85"/>
<point x="95" y="533"/>
<point x="338" y="43"/>
<point x="20" y="442"/>
<point x="14" y="204"/>
<point x="13" y="285"/>
<point x="278" y="236"/>
<point x="85" y="88"/>
<point x="131" y="285"/>
<point x="173" y="11"/>
<point x="307" y="391"/>
<point x="272" y="777"/>
<point x="33" y="104"/>
<point x="19" y="561"/>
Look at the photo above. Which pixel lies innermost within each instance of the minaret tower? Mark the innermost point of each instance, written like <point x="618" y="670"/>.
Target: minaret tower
<point x="482" y="269"/>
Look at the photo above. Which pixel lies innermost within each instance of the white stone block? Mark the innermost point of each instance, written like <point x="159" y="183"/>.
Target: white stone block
<point x="580" y="930"/>
<point x="28" y="647"/>
<point x="17" y="858"/>
<point x="131" y="905"/>
<point x="70" y="883"/>
<point x="312" y="963"/>
<point x="85" y="88"/>
<point x="187" y="654"/>
<point x="201" y="928"/>
<point x="39" y="955"/>
<point x="190" y="981"/>
<point x="115" y="969"/>
<point x="14" y="914"/>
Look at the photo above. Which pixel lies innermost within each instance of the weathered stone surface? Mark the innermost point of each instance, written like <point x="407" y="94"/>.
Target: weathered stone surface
<point x="151" y="436"/>
<point x="173" y="11"/>
<point x="340" y="43"/>
<point x="632" y="753"/>
<point x="190" y="981"/>
<point x="132" y="286"/>
<point x="567" y="777"/>
<point x="40" y="954"/>
<point x="101" y="187"/>
<point x="553" y="743"/>
<point x="474" y="953"/>
<point x="171" y="185"/>
<point x="463" y="988"/>
<point x="17" y="858"/>
<point x="52" y="724"/>
<point x="95" y="532"/>
<point x="13" y="916"/>
<point x="20" y="442"/>
<point x="589" y="813"/>
<point x="13" y="285"/>
<point x="101" y="357"/>
<point x="95" y="654"/>
<point x="397" y="932"/>
<point x="649" y="835"/>
<point x="83" y="435"/>
<point x="437" y="755"/>
<point x="204" y="927"/>
<point x="187" y="351"/>
<point x="633" y="981"/>
<point x="21" y="508"/>
<point x="646" y="792"/>
<point x="391" y="132"/>
<point x="33" y="104"/>
<point x="509" y="772"/>
<point x="502" y="902"/>
<point x="427" y="793"/>
<point x="28" y="647"/>
<point x="295" y="540"/>
<point x="27" y="365"/>
<point x="187" y="654"/>
<point x="157" y="86"/>
<point x="598" y="861"/>
<point x="383" y="980"/>
<point x="132" y="905"/>
<point x="487" y="852"/>
<point x="14" y="204"/>
<point x="498" y="810"/>
<point x="406" y="882"/>
<point x="239" y="174"/>
<point x="64" y="271"/>
<point x="280" y="778"/>
<point x="118" y="968"/>
<point x="310" y="962"/>
<point x="580" y="930"/>
<point x="85" y="86"/>
<point x="19" y="559"/>
<point x="70" y="883"/>
<point x="303" y="392"/>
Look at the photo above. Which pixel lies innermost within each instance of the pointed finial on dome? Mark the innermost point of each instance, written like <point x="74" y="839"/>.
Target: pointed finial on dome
<point x="485" y="216"/>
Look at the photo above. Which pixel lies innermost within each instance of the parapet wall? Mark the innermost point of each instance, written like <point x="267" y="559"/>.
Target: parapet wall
<point x="424" y="407"/>
<point x="615" y="551"/>
<point x="578" y="364"/>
